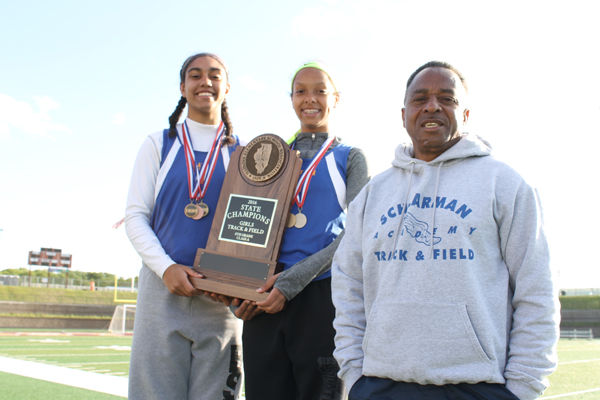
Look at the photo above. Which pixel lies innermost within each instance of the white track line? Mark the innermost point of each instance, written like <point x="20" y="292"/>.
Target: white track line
<point x="115" y="385"/>
<point x="556" y="396"/>
<point x="70" y="365"/>
<point x="4" y="350"/>
<point x="71" y="355"/>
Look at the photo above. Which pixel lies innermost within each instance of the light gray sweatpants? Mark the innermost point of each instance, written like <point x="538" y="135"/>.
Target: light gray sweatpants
<point x="183" y="347"/>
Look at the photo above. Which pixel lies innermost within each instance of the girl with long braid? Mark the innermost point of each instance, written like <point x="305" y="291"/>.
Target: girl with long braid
<point x="289" y="337"/>
<point x="185" y="345"/>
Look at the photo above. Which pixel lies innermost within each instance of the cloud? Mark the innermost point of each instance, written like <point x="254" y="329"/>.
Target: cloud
<point x="45" y="103"/>
<point x="311" y="22"/>
<point x="21" y="115"/>
<point x="377" y="20"/>
<point x="252" y="84"/>
<point x="4" y="128"/>
<point x="240" y="112"/>
<point x="119" y="119"/>
<point x="340" y="18"/>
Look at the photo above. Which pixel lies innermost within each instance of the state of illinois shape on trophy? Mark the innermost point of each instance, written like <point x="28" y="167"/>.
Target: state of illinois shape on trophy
<point x="268" y="155"/>
<point x="245" y="239"/>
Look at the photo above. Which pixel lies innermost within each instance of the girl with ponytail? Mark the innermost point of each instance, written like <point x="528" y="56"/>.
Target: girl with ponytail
<point x="185" y="345"/>
<point x="289" y="337"/>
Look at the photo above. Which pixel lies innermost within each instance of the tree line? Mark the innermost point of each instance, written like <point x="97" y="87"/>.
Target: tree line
<point x="106" y="278"/>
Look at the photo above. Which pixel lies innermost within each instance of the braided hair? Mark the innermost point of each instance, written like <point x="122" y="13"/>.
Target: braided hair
<point x="174" y="118"/>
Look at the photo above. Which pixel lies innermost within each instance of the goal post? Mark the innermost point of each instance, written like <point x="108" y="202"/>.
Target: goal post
<point x="116" y="298"/>
<point x="122" y="319"/>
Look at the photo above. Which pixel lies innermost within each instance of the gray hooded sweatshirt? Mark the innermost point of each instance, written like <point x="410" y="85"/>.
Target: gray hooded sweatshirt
<point x="443" y="276"/>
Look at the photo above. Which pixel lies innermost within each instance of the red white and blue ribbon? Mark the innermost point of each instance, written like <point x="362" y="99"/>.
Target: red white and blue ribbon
<point x="118" y="223"/>
<point x="304" y="181"/>
<point x="198" y="180"/>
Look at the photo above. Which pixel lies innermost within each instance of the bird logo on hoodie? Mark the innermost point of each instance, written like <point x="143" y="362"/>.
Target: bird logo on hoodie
<point x="419" y="230"/>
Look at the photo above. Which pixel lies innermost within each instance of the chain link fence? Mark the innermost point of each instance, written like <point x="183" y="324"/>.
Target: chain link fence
<point x="580" y="292"/>
<point x="61" y="283"/>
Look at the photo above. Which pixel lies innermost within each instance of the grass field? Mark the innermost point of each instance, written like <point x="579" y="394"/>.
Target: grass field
<point x="60" y="296"/>
<point x="96" y="351"/>
<point x="578" y="370"/>
<point x="71" y="296"/>
<point x="580" y="302"/>
<point x="17" y="387"/>
<point x="93" y="351"/>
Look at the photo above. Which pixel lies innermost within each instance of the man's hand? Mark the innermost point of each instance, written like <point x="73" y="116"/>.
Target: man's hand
<point x="276" y="300"/>
<point x="247" y="310"/>
<point x="176" y="280"/>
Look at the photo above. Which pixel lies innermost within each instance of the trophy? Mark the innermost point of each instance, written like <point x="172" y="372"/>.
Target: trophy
<point x="250" y="220"/>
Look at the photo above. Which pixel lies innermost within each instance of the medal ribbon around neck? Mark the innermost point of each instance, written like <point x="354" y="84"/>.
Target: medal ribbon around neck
<point x="198" y="181"/>
<point x="304" y="181"/>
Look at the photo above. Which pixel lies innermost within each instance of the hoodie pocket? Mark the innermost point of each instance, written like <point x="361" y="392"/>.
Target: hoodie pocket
<point x="427" y="343"/>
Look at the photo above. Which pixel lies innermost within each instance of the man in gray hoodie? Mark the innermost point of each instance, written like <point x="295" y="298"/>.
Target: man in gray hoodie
<point x="442" y="283"/>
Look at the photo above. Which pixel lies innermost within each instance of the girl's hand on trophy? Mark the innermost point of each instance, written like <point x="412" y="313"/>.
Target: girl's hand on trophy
<point x="247" y="310"/>
<point x="274" y="303"/>
<point x="176" y="279"/>
<point x="268" y="284"/>
<point x="219" y="297"/>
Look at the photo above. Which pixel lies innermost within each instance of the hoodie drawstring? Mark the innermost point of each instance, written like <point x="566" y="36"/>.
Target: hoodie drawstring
<point x="437" y="181"/>
<point x="404" y="206"/>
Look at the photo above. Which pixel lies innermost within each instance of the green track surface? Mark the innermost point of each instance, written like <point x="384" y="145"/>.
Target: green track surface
<point x="17" y="387"/>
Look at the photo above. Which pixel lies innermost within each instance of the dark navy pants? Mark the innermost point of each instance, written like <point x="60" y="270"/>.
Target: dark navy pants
<point x="372" y="388"/>
<point x="289" y="355"/>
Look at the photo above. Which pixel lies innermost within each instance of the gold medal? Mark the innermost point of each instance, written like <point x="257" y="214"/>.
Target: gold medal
<point x="300" y="220"/>
<point x="191" y="211"/>
<point x="291" y="221"/>
<point x="204" y="208"/>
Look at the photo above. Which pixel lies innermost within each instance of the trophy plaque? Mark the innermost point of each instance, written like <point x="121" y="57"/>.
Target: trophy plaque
<point x="250" y="220"/>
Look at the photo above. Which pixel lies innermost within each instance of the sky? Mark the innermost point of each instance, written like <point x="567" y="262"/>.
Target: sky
<point x="83" y="83"/>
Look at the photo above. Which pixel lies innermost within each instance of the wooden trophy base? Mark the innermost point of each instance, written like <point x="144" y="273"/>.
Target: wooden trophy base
<point x="232" y="276"/>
